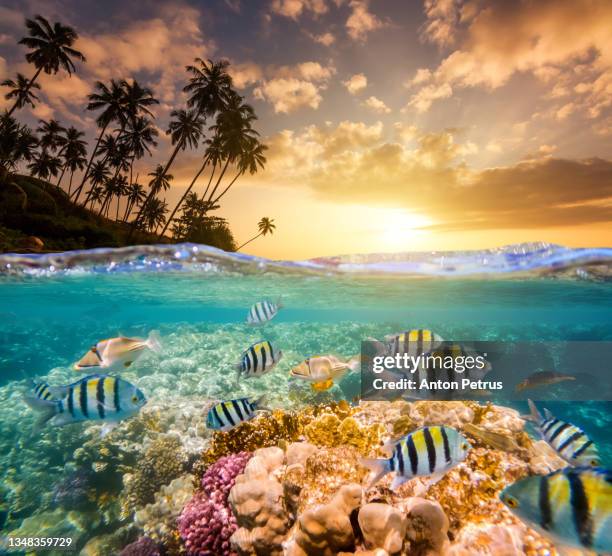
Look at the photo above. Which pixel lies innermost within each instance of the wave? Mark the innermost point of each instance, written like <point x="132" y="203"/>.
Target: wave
<point x="536" y="258"/>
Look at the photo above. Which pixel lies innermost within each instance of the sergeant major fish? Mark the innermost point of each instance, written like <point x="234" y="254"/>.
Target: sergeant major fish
<point x="572" y="506"/>
<point x="43" y="391"/>
<point x="258" y="360"/>
<point x="570" y="442"/>
<point x="93" y="398"/>
<point x="263" y="311"/>
<point x="225" y="416"/>
<point x="117" y="353"/>
<point x="427" y="451"/>
<point x="412" y="342"/>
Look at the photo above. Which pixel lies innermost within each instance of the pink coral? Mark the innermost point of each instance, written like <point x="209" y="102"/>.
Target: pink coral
<point x="207" y="522"/>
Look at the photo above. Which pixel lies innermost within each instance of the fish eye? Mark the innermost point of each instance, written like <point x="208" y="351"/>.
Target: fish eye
<point x="134" y="398"/>
<point x="511" y="502"/>
<point x="465" y="446"/>
<point x="593" y="463"/>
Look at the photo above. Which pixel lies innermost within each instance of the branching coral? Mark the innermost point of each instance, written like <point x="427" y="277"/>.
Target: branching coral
<point x="207" y="522"/>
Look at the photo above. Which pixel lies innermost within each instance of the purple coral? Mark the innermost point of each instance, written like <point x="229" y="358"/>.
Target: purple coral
<point x="144" y="546"/>
<point x="207" y="522"/>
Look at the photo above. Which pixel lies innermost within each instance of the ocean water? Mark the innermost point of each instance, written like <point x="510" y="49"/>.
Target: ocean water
<point x="54" y="307"/>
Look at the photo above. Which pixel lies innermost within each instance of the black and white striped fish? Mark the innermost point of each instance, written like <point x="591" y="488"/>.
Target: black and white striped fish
<point x="43" y="391"/>
<point x="263" y="311"/>
<point x="225" y="416"/>
<point x="258" y="360"/>
<point x="427" y="451"/>
<point x="572" y="506"/>
<point x="412" y="342"/>
<point x="93" y="398"/>
<point x="569" y="441"/>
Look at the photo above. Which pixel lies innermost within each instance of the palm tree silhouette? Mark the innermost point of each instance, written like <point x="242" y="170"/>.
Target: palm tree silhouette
<point x="52" y="135"/>
<point x="44" y="165"/>
<point x="98" y="175"/>
<point x="265" y="226"/>
<point x="138" y="136"/>
<point x="154" y="214"/>
<point x="21" y="91"/>
<point x="50" y="49"/>
<point x="17" y="143"/>
<point x="74" y="153"/>
<point x="136" y="194"/>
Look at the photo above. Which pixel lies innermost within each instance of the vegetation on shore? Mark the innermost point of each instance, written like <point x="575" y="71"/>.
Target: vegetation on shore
<point x="70" y="195"/>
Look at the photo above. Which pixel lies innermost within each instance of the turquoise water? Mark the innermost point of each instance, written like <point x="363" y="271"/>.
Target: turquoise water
<point x="53" y="309"/>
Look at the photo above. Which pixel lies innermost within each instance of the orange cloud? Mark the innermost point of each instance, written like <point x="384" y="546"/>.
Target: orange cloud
<point x="362" y="21"/>
<point x="356" y="83"/>
<point x="376" y="105"/>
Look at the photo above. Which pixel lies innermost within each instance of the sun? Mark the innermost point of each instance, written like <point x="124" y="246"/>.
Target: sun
<point x="400" y="229"/>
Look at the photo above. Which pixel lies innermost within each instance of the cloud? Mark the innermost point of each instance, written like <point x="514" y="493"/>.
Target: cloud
<point x="429" y="174"/>
<point x="425" y="97"/>
<point x="495" y="41"/>
<point x="356" y="83"/>
<point x="294" y="87"/>
<point x="245" y="74"/>
<point x="377" y="105"/>
<point x="361" y="21"/>
<point x="326" y="39"/>
<point x="293" y="9"/>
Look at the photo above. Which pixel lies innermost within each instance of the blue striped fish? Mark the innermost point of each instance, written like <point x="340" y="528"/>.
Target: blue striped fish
<point x="572" y="506"/>
<point x="263" y="311"/>
<point x="225" y="416"/>
<point x="427" y="451"/>
<point x="570" y="442"/>
<point x="412" y="342"/>
<point x="93" y="398"/>
<point x="258" y="360"/>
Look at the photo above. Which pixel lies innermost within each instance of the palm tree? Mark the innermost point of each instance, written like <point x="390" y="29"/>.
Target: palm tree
<point x="138" y="136"/>
<point x="160" y="181"/>
<point x="52" y="135"/>
<point x="136" y="194"/>
<point x="74" y="152"/>
<point x="21" y="91"/>
<point x="265" y="226"/>
<point x="97" y="194"/>
<point x="50" y="49"/>
<point x="17" y="142"/>
<point x="98" y="175"/>
<point x="154" y="215"/>
<point x="137" y="99"/>
<point x="45" y="165"/>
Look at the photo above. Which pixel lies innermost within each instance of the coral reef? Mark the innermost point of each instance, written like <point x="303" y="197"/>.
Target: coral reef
<point x="75" y="491"/>
<point x="257" y="503"/>
<point x="383" y="527"/>
<point x="207" y="522"/>
<point x="144" y="546"/>
<point x="162" y="461"/>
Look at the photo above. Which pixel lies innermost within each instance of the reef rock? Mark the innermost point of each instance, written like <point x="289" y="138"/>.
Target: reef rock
<point x="484" y="539"/>
<point x="543" y="459"/>
<point x="257" y="503"/>
<point x="326" y="529"/>
<point x="427" y="527"/>
<point x="382" y="526"/>
<point x="299" y="452"/>
<point x="453" y="414"/>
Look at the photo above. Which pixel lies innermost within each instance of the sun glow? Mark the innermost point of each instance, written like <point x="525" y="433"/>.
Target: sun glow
<point x="400" y="229"/>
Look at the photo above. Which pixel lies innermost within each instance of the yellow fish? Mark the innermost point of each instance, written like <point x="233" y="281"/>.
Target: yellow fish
<point x="323" y="370"/>
<point x="116" y="353"/>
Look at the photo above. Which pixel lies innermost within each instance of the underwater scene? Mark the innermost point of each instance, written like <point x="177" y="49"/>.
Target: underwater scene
<point x="180" y="400"/>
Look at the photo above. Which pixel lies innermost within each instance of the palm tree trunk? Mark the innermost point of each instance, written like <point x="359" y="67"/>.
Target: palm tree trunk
<point x="219" y="180"/>
<point x="247" y="242"/>
<point x="30" y="83"/>
<point x="209" y="181"/>
<point x="78" y="190"/>
<point x="70" y="182"/>
<point x="117" y="211"/>
<point x="60" y="178"/>
<point x="184" y="196"/>
<point x="227" y="188"/>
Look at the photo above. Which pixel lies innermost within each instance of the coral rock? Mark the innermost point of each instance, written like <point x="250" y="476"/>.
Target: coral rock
<point x="382" y="526"/>
<point x="453" y="414"/>
<point x="486" y="538"/>
<point x="326" y="529"/>
<point x="427" y="526"/>
<point x="543" y="459"/>
<point x="299" y="452"/>
<point x="144" y="546"/>
<point x="257" y="502"/>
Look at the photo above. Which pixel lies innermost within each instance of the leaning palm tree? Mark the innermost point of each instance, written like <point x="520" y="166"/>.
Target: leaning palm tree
<point x="154" y="215"/>
<point x="160" y="181"/>
<point x="17" y="143"/>
<point x="136" y="195"/>
<point x="139" y="136"/>
<point x="50" y="49"/>
<point x="52" y="135"/>
<point x="45" y="165"/>
<point x="98" y="174"/>
<point x="21" y="91"/>
<point x="74" y="152"/>
<point x="265" y="226"/>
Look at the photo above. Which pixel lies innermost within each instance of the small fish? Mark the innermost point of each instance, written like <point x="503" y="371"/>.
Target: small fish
<point x="570" y="442"/>
<point x="225" y="416"/>
<point x="117" y="353"/>
<point x="542" y="378"/>
<point x="427" y="451"/>
<point x="572" y="506"/>
<point x="93" y="398"/>
<point x="497" y="440"/>
<point x="412" y="342"/>
<point x="258" y="360"/>
<point x="323" y="370"/>
<point x="263" y="311"/>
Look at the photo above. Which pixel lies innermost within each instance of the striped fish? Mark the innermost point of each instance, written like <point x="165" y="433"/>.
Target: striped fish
<point x="412" y="342"/>
<point x="225" y="416"/>
<point x="570" y="442"/>
<point x="572" y="506"/>
<point x="427" y="451"/>
<point x="258" y="360"/>
<point x="93" y="398"/>
<point x="263" y="311"/>
<point x="43" y="391"/>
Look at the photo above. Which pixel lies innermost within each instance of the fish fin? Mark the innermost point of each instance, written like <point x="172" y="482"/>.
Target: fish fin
<point x="354" y="363"/>
<point x="390" y="444"/>
<point x="398" y="481"/>
<point x="46" y="408"/>
<point x="378" y="467"/>
<point x="548" y="414"/>
<point x="154" y="341"/>
<point x="534" y="416"/>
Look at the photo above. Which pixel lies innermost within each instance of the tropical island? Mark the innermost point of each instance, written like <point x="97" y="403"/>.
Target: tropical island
<point x="57" y="192"/>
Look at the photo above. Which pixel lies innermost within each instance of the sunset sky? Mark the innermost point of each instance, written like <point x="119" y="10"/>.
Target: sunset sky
<point x="391" y="126"/>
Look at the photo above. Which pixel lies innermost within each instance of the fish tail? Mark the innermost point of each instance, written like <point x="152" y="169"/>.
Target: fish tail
<point x="378" y="467"/>
<point x="47" y="409"/>
<point x="535" y="415"/>
<point x="260" y="403"/>
<point x="154" y="341"/>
